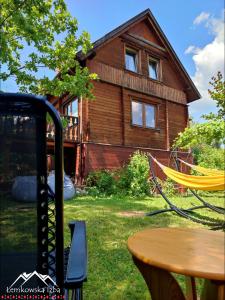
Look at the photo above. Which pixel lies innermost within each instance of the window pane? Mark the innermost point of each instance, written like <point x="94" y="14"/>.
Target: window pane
<point x="150" y="116"/>
<point x="74" y="108"/>
<point x="71" y="109"/>
<point x="153" y="69"/>
<point x="131" y="61"/>
<point x="137" y="118"/>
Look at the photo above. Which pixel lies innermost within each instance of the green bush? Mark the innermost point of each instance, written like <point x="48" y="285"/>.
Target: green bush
<point x="132" y="179"/>
<point x="122" y="182"/>
<point x="138" y="174"/>
<point x="103" y="181"/>
<point x="169" y="187"/>
<point x="209" y="157"/>
<point x="93" y="191"/>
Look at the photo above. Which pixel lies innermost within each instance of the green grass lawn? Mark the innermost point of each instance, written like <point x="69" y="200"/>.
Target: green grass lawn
<point x="111" y="272"/>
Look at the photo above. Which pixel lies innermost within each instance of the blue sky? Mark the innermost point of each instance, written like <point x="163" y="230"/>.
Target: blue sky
<point x="196" y="41"/>
<point x="174" y="16"/>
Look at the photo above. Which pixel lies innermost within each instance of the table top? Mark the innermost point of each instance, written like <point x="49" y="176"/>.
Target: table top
<point x="187" y="251"/>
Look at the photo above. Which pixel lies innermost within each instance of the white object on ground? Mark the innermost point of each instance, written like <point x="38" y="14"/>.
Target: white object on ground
<point x="24" y="188"/>
<point x="68" y="187"/>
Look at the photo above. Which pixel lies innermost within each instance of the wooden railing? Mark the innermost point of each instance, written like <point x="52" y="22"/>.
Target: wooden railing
<point x="18" y="126"/>
<point x="136" y="82"/>
<point x="70" y="131"/>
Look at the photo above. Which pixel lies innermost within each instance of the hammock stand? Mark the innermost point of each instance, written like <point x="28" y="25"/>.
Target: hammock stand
<point x="217" y="209"/>
<point x="185" y="213"/>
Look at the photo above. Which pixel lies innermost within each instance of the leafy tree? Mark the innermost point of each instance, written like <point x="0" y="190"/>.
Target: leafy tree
<point x="46" y="30"/>
<point x="212" y="131"/>
<point x="218" y="94"/>
<point x="209" y="157"/>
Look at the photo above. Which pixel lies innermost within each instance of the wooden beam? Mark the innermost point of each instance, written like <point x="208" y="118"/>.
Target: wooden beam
<point x="167" y="128"/>
<point x="142" y="41"/>
<point x="122" y="116"/>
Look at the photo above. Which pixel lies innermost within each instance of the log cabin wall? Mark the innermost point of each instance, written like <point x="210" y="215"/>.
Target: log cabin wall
<point x="105" y="117"/>
<point x="139" y="136"/>
<point x="108" y="137"/>
<point x="110" y="157"/>
<point x="109" y="115"/>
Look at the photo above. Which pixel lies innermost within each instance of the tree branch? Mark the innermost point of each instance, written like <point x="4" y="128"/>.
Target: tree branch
<point x="11" y="13"/>
<point x="23" y="67"/>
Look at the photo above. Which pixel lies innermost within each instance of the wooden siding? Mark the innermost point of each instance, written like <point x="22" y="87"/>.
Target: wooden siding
<point x="177" y="120"/>
<point x="170" y="77"/>
<point x="109" y="118"/>
<point x="143" y="29"/>
<point x="144" y="137"/>
<point x="101" y="156"/>
<point x="112" y="54"/>
<point x="105" y="115"/>
<point x="136" y="82"/>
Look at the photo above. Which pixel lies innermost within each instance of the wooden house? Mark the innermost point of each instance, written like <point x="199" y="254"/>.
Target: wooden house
<point x="141" y="100"/>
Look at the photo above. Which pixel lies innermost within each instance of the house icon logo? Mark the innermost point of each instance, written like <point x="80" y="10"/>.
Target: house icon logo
<point x="31" y="279"/>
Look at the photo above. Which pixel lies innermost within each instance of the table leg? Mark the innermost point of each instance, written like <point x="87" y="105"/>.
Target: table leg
<point x="161" y="284"/>
<point x="191" y="293"/>
<point x="213" y="290"/>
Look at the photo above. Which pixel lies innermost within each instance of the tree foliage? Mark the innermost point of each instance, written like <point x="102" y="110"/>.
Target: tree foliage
<point x="212" y="131"/>
<point x="40" y="34"/>
<point x="209" y="157"/>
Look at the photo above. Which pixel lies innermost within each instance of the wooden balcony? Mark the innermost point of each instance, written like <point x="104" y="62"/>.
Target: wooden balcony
<point x="136" y="82"/>
<point x="20" y="128"/>
<point x="70" y="131"/>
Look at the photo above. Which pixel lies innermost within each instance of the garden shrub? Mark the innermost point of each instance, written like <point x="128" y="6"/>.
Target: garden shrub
<point x="102" y="180"/>
<point x="138" y="174"/>
<point x="122" y="182"/>
<point x="132" y="179"/>
<point x="169" y="187"/>
<point x="209" y="157"/>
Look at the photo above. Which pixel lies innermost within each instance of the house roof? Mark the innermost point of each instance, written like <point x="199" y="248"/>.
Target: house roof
<point x="191" y="90"/>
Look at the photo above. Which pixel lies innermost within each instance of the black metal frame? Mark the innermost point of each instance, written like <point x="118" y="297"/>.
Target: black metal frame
<point x="50" y="205"/>
<point x="186" y="213"/>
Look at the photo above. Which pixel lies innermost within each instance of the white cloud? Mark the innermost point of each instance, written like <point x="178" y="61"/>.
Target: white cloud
<point x="192" y="49"/>
<point x="208" y="61"/>
<point x="201" y="18"/>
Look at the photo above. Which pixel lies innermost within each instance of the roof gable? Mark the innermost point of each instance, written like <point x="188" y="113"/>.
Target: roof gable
<point x="156" y="36"/>
<point x="143" y="30"/>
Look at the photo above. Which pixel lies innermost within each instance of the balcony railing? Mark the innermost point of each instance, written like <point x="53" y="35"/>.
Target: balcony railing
<point x="70" y="131"/>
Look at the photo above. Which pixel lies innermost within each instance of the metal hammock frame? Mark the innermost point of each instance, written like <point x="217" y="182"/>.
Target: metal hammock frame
<point x="217" y="209"/>
<point x="185" y="213"/>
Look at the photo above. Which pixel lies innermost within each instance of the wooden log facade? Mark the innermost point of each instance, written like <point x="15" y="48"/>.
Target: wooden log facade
<point x="107" y="133"/>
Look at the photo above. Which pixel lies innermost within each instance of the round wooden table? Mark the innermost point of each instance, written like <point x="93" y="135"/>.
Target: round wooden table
<point x="191" y="252"/>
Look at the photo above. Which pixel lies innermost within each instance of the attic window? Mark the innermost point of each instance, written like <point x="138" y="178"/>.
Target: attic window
<point x="153" y="69"/>
<point x="131" y="60"/>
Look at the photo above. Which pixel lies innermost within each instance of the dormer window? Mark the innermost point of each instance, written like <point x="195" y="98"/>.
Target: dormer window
<point x="153" y="68"/>
<point x="131" y="60"/>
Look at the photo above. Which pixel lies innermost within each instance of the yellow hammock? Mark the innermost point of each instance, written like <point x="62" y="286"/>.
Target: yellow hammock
<point x="207" y="183"/>
<point x="205" y="171"/>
